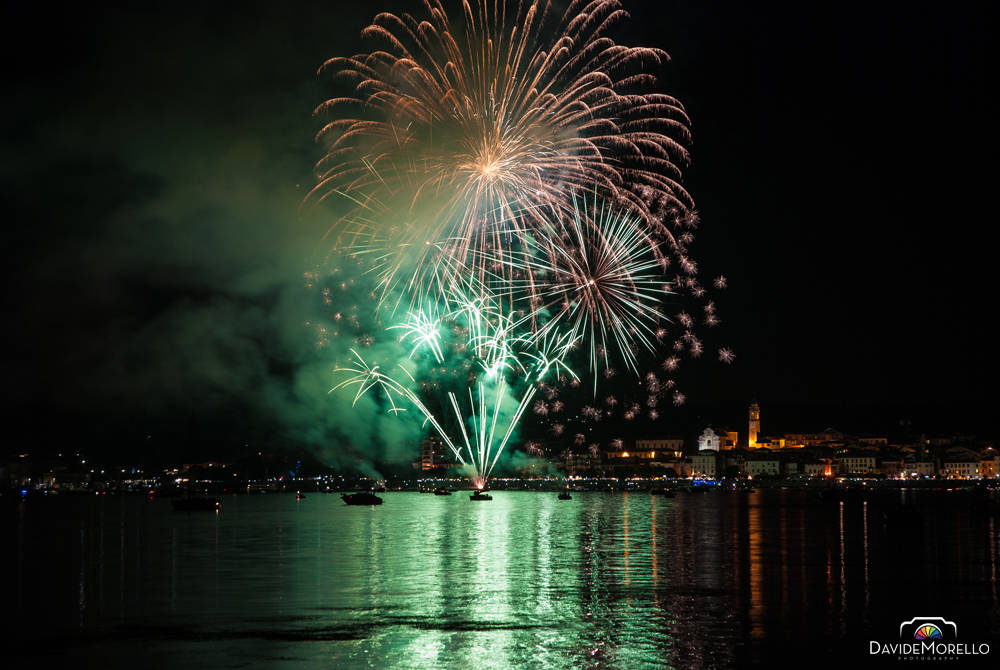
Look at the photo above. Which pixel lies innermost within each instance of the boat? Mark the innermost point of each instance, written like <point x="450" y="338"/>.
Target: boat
<point x="362" y="498"/>
<point x="565" y="496"/>
<point x="299" y="495"/>
<point x="442" y="492"/>
<point x="480" y="495"/>
<point x="196" y="504"/>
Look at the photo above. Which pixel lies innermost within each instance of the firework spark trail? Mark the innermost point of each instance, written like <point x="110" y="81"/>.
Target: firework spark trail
<point x="489" y="339"/>
<point x="367" y="377"/>
<point x="425" y="330"/>
<point x="606" y="283"/>
<point x="459" y="134"/>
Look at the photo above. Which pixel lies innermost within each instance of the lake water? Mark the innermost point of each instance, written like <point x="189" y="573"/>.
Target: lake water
<point x="720" y="579"/>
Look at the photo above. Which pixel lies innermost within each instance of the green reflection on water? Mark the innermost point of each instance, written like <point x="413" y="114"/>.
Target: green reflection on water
<point x="524" y="581"/>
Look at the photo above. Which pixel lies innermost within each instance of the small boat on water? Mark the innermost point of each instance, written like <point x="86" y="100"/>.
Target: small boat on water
<point x="196" y="504"/>
<point x="565" y="496"/>
<point x="299" y="495"/>
<point x="362" y="498"/>
<point x="442" y="492"/>
<point x="480" y="495"/>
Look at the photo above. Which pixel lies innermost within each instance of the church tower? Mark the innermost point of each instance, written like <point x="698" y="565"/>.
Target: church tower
<point x="754" y="425"/>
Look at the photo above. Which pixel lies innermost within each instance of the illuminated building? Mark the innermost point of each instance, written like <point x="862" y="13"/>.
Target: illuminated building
<point x="723" y="439"/>
<point x="708" y="440"/>
<point x="893" y="467"/>
<point x="960" y="469"/>
<point x="728" y="439"/>
<point x="831" y="437"/>
<point x="705" y="464"/>
<point x="635" y="456"/>
<point x="574" y="463"/>
<point x="754" y="425"/>
<point x="857" y="465"/>
<point x="672" y="445"/>
<point x="763" y="466"/>
<point x="919" y="468"/>
<point x="820" y="468"/>
<point x="434" y="455"/>
<point x="632" y="462"/>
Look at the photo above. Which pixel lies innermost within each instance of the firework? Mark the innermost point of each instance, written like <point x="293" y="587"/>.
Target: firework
<point x="476" y="420"/>
<point x="598" y="271"/>
<point x="511" y="184"/>
<point x="459" y="138"/>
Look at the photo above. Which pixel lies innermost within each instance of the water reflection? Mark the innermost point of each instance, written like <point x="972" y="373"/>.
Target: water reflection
<point x="604" y="581"/>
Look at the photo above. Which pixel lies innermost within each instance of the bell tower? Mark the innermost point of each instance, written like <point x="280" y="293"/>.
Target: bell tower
<point x="754" y="425"/>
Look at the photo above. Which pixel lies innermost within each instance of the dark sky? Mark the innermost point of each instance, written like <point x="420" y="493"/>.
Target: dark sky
<point x="153" y="161"/>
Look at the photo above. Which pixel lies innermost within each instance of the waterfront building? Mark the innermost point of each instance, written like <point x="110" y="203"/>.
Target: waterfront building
<point x="683" y="467"/>
<point x="960" y="469"/>
<point x="435" y="454"/>
<point x="705" y="463"/>
<point x="762" y="466"/>
<point x="920" y="468"/>
<point x="735" y="462"/>
<point x="667" y="445"/>
<point x="625" y="463"/>
<point x="857" y="464"/>
<point x="575" y="463"/>
<point x="821" y="468"/>
<point x="892" y="468"/>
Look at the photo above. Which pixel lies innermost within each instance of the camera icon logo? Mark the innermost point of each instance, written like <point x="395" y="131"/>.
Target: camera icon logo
<point x="928" y="628"/>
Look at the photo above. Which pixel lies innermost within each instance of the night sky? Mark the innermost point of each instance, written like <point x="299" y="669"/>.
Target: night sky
<point x="153" y="161"/>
